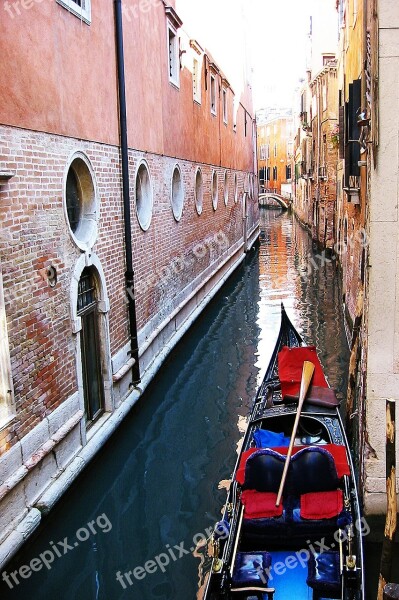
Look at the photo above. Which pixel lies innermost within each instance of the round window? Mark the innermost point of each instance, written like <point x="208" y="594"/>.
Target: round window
<point x="177" y="198"/>
<point x="81" y="205"/>
<point x="144" y="196"/>
<point x="214" y="190"/>
<point x="199" y="191"/>
<point x="226" y="188"/>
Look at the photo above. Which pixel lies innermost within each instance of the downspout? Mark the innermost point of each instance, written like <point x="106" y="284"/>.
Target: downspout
<point x="129" y="275"/>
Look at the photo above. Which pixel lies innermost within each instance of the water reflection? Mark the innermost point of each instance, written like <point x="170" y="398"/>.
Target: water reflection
<point x="157" y="479"/>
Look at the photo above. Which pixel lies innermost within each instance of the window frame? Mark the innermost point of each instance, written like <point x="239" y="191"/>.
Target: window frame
<point x="173" y="57"/>
<point x="177" y="207"/>
<point x="199" y="190"/>
<point x="214" y="189"/>
<point x="144" y="220"/>
<point x="212" y="91"/>
<point x="196" y="80"/>
<point x="85" y="235"/>
<point x="226" y="188"/>
<point x="225" y="105"/>
<point x="73" y="7"/>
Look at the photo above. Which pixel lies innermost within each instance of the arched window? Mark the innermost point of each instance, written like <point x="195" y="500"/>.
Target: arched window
<point x="90" y="345"/>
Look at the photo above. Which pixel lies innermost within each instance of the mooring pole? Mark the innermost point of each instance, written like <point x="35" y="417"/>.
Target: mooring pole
<point x="392" y="509"/>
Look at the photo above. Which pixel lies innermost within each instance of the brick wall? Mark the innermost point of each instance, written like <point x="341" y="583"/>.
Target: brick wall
<point x="168" y="257"/>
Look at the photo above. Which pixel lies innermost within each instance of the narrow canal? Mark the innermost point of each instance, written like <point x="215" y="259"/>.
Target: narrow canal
<point x="153" y="490"/>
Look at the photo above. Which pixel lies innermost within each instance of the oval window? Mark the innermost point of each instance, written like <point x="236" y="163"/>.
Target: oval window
<point x="177" y="195"/>
<point x="226" y="188"/>
<point x="214" y="190"/>
<point x="81" y="203"/>
<point x="199" y="191"/>
<point x="144" y="196"/>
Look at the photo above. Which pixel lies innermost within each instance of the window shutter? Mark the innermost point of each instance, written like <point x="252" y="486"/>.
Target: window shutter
<point x="342" y="132"/>
<point x="354" y="133"/>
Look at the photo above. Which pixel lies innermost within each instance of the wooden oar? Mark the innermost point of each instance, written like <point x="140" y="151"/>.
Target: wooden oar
<point x="307" y="374"/>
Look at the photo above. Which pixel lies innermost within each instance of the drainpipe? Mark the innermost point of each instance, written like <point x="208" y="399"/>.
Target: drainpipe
<point x="129" y="275"/>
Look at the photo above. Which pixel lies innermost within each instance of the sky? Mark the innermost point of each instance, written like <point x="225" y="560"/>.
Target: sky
<point x="280" y="45"/>
<point x="277" y="40"/>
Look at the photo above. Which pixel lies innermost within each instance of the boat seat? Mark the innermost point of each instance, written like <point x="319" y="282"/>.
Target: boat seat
<point x="324" y="575"/>
<point x="312" y="499"/>
<point x="251" y="575"/>
<point x="338" y="452"/>
<point x="263" y="471"/>
<point x="312" y="469"/>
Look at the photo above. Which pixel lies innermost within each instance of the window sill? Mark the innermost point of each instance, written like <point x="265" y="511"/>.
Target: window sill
<point x="95" y="426"/>
<point x="83" y="15"/>
<point x="175" y="84"/>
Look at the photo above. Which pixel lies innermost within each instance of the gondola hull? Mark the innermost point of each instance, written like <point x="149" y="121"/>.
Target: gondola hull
<point x="311" y="544"/>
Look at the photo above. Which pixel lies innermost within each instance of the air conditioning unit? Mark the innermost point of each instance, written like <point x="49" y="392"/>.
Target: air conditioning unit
<point x="353" y="195"/>
<point x="323" y="172"/>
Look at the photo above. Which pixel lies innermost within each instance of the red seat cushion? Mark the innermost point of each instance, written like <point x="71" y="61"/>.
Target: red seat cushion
<point x="260" y="505"/>
<point x="290" y="366"/>
<point x="321" y="505"/>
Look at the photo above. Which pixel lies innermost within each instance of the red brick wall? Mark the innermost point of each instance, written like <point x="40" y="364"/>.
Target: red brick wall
<point x="35" y="235"/>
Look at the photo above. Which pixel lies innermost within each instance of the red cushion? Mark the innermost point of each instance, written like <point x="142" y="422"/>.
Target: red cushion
<point x="321" y="505"/>
<point x="290" y="366"/>
<point x="338" y="453"/>
<point x="260" y="505"/>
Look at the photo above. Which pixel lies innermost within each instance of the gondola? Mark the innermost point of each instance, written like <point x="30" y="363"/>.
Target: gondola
<point x="308" y="544"/>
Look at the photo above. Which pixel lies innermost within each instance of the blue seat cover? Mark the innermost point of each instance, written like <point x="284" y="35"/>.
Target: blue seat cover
<point x="251" y="568"/>
<point x="324" y="573"/>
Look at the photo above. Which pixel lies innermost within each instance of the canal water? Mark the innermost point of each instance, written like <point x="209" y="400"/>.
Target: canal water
<point x="153" y="491"/>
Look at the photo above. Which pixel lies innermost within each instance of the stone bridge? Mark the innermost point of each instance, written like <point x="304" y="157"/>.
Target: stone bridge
<point x="264" y="200"/>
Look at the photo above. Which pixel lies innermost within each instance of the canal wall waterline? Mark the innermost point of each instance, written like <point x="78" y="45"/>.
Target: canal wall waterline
<point x="154" y="353"/>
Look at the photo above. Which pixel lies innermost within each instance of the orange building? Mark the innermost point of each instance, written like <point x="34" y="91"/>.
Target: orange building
<point x="275" y="148"/>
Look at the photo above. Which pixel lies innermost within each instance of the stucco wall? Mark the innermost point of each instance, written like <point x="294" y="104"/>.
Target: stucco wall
<point x="383" y="309"/>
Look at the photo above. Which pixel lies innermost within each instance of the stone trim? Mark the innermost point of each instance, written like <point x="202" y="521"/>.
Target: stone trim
<point x="38" y="456"/>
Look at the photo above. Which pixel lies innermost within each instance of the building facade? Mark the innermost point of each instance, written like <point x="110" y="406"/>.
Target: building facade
<point x="275" y="150"/>
<point x="316" y="154"/>
<point x="361" y="128"/>
<point x="128" y="196"/>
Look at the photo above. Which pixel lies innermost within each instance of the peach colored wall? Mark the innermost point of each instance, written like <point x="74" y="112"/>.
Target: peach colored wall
<point x="72" y="92"/>
<point x="64" y="81"/>
<point x="278" y="134"/>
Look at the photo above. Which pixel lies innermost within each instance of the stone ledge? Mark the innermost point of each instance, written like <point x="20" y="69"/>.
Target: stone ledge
<point x="19" y="535"/>
<point x="38" y="456"/>
<point x="123" y="370"/>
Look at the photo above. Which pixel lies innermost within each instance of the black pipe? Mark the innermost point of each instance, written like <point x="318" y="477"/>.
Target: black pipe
<point x="129" y="275"/>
